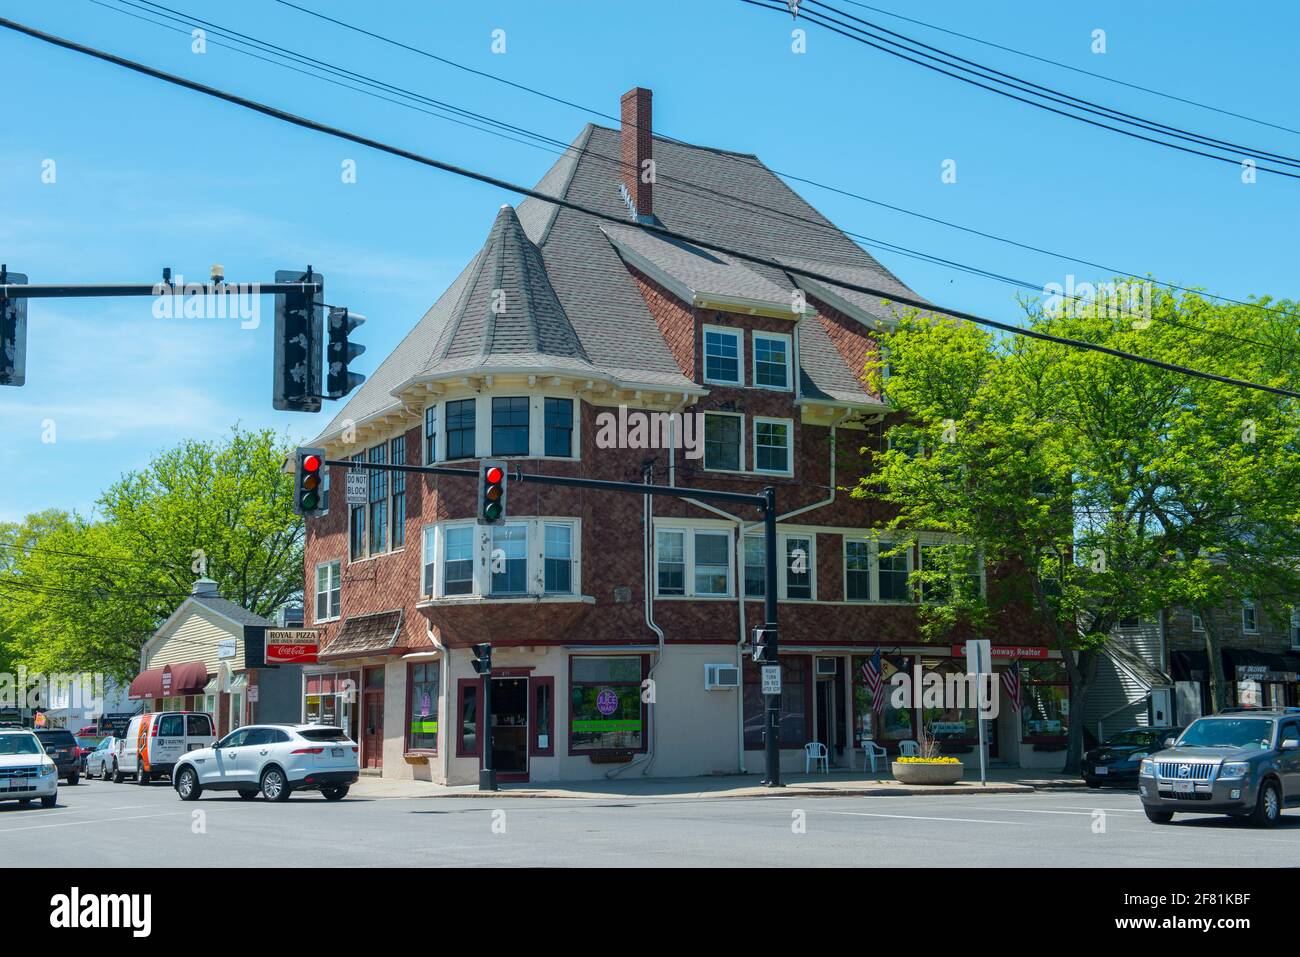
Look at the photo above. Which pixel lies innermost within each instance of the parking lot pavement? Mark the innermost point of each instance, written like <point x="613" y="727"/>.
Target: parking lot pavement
<point x="101" y="824"/>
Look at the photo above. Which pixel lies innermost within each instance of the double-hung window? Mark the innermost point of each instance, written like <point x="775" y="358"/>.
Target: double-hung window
<point x="557" y="415"/>
<point x="771" y="361"/>
<point x="431" y="434"/>
<point x="397" y="455"/>
<point x="693" y="562"/>
<point x="329" y="590"/>
<point x="509" y="559"/>
<point x="893" y="571"/>
<point x="755" y="567"/>
<point x="857" y="570"/>
<point x="378" y="501"/>
<point x="798" y="567"/>
<point x="722" y="441"/>
<point x="460" y="429"/>
<point x="510" y="425"/>
<point x="557" y="558"/>
<point x="1249" y="617"/>
<point x="772" y="452"/>
<point x="458" y="560"/>
<point x="722" y="352"/>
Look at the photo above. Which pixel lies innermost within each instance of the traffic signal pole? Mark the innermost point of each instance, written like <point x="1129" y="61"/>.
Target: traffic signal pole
<point x="766" y="503"/>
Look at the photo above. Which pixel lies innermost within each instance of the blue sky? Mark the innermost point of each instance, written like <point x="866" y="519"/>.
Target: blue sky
<point x="148" y="175"/>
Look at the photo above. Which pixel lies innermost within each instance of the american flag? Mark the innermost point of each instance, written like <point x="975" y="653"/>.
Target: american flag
<point x="872" y="678"/>
<point x="1011" y="683"/>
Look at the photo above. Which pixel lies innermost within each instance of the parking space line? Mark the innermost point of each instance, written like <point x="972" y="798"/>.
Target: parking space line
<point x="922" y="817"/>
<point x="100" y="820"/>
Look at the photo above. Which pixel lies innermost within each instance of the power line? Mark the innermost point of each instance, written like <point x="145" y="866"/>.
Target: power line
<point x="1111" y="270"/>
<point x="860" y="37"/>
<point x="665" y="180"/>
<point x="1050" y="93"/>
<point x="1073" y="69"/>
<point x="316" y="126"/>
<point x="112" y="558"/>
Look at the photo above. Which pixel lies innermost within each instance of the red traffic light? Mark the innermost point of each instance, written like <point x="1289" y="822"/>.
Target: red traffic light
<point x="494" y="475"/>
<point x="311" y="463"/>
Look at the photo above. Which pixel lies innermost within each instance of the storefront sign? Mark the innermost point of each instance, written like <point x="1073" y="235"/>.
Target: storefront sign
<point x="607" y="701"/>
<point x="1007" y="651"/>
<point x="226" y="647"/>
<point x="167" y="681"/>
<point x="293" y="646"/>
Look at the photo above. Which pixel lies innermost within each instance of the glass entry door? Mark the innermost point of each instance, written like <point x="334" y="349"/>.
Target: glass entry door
<point x="509" y="735"/>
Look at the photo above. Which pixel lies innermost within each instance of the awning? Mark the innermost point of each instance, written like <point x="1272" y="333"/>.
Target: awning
<point x="184" y="677"/>
<point x="360" y="635"/>
<point x="1239" y="664"/>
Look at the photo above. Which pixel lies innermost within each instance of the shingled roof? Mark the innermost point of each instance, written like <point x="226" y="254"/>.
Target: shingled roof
<point x="572" y="305"/>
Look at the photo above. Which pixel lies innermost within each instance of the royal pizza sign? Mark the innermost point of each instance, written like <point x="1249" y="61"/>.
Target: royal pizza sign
<point x="292" y="646"/>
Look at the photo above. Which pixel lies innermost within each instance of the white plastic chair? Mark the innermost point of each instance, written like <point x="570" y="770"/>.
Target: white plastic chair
<point x="813" y="752"/>
<point x="909" y="749"/>
<point x="871" y="753"/>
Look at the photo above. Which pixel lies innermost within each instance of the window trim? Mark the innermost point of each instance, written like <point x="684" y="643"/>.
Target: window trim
<point x="754" y="336"/>
<point x="481" y="581"/>
<point x="739" y="336"/>
<point x="1249" y="604"/>
<point x="783" y="579"/>
<point x="527" y="426"/>
<point x="483" y="426"/>
<point x="789" y="447"/>
<point x="336" y="585"/>
<point x="689" y="531"/>
<point x="477" y="685"/>
<point x="444" y="454"/>
<point x="645" y="714"/>
<point x="437" y="710"/>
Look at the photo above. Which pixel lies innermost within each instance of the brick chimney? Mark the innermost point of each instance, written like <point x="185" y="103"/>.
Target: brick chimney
<point x="637" y="147"/>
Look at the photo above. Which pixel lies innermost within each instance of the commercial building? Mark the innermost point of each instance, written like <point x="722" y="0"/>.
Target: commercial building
<point x="573" y="346"/>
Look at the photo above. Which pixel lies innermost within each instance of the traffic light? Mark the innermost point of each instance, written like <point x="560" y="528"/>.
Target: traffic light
<point x="763" y="650"/>
<point x="483" y="658"/>
<point x="13" y="332"/>
<point x="299" y="317"/>
<point x="491" y="493"/>
<point x="309" y="496"/>
<point x="339" y="352"/>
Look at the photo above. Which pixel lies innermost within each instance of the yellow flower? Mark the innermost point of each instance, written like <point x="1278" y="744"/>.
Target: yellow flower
<point x="927" y="760"/>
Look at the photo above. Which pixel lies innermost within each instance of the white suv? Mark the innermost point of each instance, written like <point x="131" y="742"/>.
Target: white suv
<point x="276" y="759"/>
<point x="26" y="771"/>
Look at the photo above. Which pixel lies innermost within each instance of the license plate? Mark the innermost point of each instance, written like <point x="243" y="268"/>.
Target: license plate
<point x="1101" y="772"/>
<point x="17" y="784"/>
<point x="1185" y="787"/>
<point x="336" y="752"/>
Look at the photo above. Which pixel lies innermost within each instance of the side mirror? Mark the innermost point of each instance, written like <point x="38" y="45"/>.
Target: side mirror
<point x="1290" y="744"/>
<point x="1169" y="741"/>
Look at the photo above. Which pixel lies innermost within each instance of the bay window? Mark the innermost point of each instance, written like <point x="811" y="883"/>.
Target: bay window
<point x="521" y="558"/>
<point x="509" y="559"/>
<point x="557" y="559"/>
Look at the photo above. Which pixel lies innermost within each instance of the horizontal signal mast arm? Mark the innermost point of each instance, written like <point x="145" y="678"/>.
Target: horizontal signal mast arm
<point x="636" y="488"/>
<point x="66" y="291"/>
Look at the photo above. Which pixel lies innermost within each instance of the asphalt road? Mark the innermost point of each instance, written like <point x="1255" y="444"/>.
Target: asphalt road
<point x="102" y="824"/>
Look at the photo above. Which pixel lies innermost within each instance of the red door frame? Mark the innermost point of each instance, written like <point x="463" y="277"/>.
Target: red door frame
<point x="369" y="695"/>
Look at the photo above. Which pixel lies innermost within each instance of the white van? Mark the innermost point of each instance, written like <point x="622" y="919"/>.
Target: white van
<point x="155" y="741"/>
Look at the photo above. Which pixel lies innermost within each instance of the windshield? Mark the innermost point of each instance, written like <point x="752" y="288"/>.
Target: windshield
<point x="18" y="744"/>
<point x="323" y="734"/>
<point x="1136" y="738"/>
<point x="1228" y="733"/>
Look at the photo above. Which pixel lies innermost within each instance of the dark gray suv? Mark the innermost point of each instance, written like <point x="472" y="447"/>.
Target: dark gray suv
<point x="1244" y="763"/>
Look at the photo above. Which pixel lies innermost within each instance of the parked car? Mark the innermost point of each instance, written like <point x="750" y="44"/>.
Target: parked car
<point x="102" y="761"/>
<point x="276" y="759"/>
<point x="27" y="772"/>
<point x="1245" y="765"/>
<point x="1116" y="761"/>
<point x="60" y="745"/>
<point x="155" y="741"/>
<point x="87" y="743"/>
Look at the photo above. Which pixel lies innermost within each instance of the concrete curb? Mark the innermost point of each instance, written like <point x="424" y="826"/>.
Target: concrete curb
<point x="785" y="792"/>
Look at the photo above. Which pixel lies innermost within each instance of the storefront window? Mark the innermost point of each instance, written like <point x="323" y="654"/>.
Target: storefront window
<point x="793" y="720"/>
<point x="890" y="724"/>
<point x="423" y="707"/>
<point x="1044" y="699"/>
<point x="467" y="744"/>
<point x="605" y="708"/>
<point x="951" y="725"/>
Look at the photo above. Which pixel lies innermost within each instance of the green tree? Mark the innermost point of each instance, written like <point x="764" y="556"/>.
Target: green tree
<point x="85" y="594"/>
<point x="1100" y="487"/>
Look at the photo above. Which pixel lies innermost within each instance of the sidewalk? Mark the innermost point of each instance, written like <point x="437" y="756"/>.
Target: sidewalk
<point x="836" y="784"/>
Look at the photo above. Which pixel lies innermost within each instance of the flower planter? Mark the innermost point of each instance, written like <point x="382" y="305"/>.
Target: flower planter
<point x="912" y="773"/>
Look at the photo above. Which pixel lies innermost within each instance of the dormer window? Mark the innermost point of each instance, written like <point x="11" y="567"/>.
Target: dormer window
<point x="722" y="351"/>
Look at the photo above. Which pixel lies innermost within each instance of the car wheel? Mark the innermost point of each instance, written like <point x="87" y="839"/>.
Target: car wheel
<point x="1268" y="806"/>
<point x="73" y="779"/>
<point x="275" y="786"/>
<point x="103" y="772"/>
<point x="1092" y="782"/>
<point x="335" y="794"/>
<point x="142" y="777"/>
<point x="1156" y="816"/>
<point x="187" y="785"/>
<point x="247" y="795"/>
<point x="117" y="773"/>
<point x="50" y="801"/>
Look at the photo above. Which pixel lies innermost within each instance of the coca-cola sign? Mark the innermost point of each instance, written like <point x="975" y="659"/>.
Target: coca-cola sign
<point x="292" y="646"/>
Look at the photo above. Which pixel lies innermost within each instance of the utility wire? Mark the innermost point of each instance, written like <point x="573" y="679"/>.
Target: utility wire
<point x="665" y="180"/>
<point x="1111" y="270"/>
<point x="829" y="22"/>
<point x="316" y="126"/>
<point x="1073" y="69"/>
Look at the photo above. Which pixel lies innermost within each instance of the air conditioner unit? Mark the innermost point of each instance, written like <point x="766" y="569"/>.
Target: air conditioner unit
<point x="828" y="666"/>
<point x="721" y="677"/>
